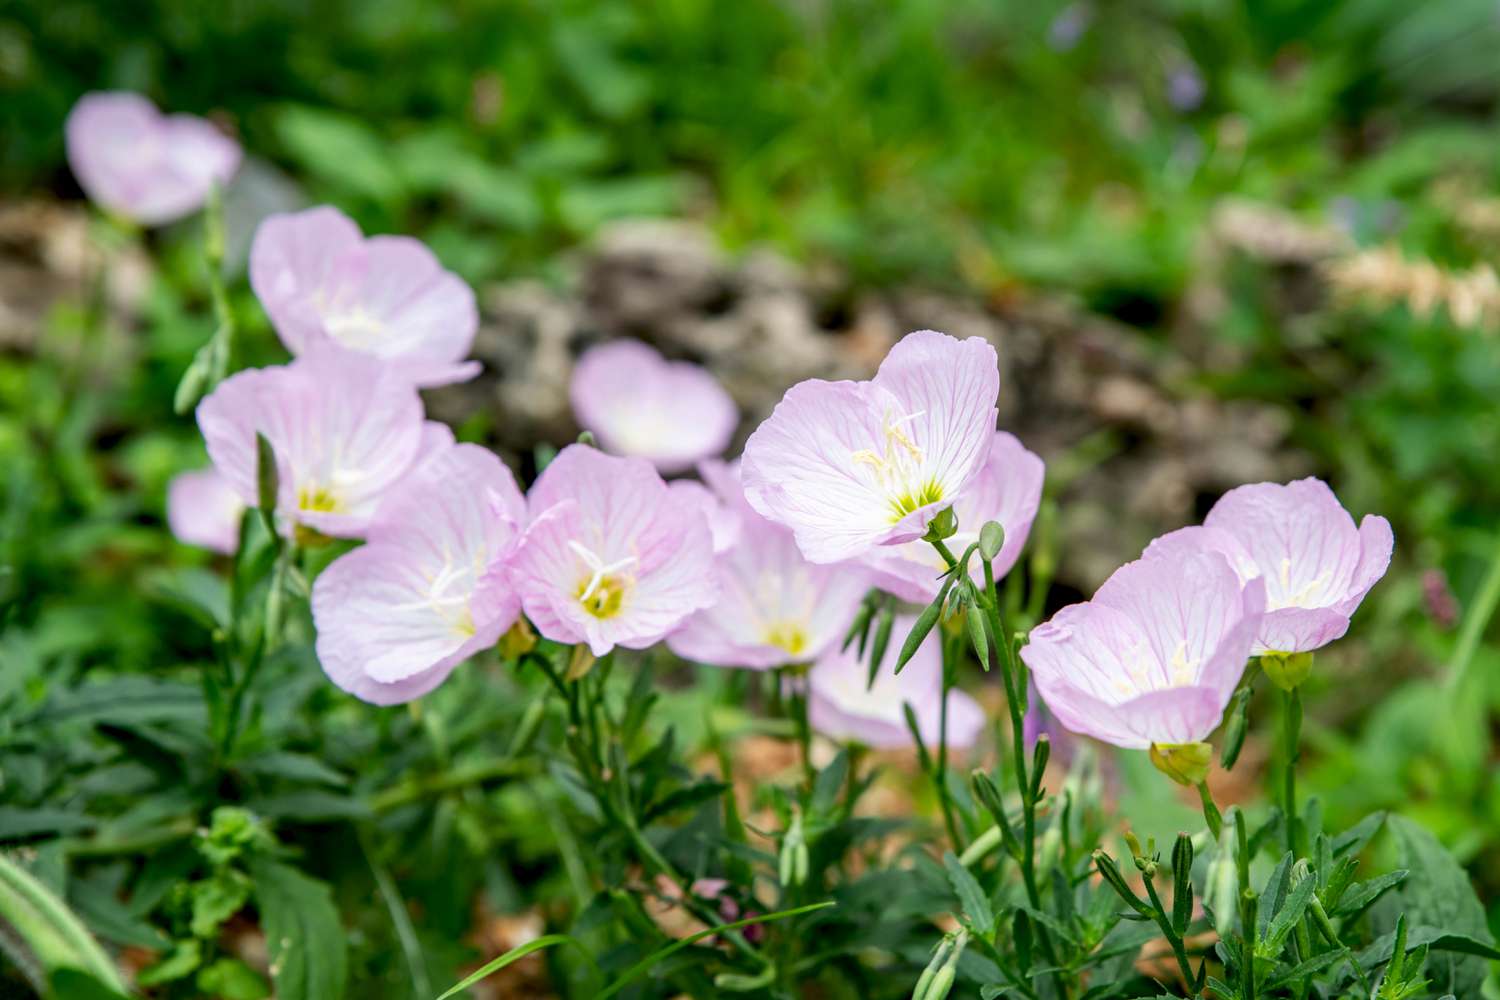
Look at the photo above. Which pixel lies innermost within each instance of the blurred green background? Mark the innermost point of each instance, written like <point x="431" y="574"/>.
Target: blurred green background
<point x="1197" y="170"/>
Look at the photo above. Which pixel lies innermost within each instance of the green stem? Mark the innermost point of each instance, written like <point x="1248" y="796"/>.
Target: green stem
<point x="451" y="780"/>
<point x="940" y="768"/>
<point x="1476" y="620"/>
<point x="1291" y="737"/>
<point x="1163" y="921"/>
<point x="1210" y="810"/>
<point x="792" y="680"/>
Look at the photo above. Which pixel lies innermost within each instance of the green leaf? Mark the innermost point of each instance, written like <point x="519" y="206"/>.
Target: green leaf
<point x="975" y="903"/>
<point x="309" y="959"/>
<point x="515" y="955"/>
<point x="41" y="936"/>
<point x="17" y="823"/>
<point x="639" y="968"/>
<point x="342" y="151"/>
<point x="231" y="979"/>
<point x="299" y="769"/>
<point x="126" y="702"/>
<point x="216" y="899"/>
<point x="180" y="963"/>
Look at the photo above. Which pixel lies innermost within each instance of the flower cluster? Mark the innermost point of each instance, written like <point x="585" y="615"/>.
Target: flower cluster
<point x="761" y="564"/>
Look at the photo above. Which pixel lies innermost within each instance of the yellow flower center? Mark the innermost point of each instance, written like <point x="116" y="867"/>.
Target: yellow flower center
<point x="604" y="596"/>
<point x="898" y="469"/>
<point x="789" y="636"/>
<point x="318" y="499"/>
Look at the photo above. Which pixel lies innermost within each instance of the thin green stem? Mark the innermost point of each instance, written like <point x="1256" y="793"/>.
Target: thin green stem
<point x="1163" y="921"/>
<point x="1291" y="737"/>
<point x="1476" y="620"/>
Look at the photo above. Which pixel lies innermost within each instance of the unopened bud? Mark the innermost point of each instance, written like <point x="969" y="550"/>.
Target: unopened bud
<point x="991" y="539"/>
<point x="1185" y="763"/>
<point x="1287" y="670"/>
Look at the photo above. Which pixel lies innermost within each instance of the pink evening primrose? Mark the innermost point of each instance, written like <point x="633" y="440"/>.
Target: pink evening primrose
<point x="1008" y="490"/>
<point x="142" y="165"/>
<point x="429" y="589"/>
<point x="321" y="280"/>
<point x="842" y="705"/>
<point x="612" y="557"/>
<point x="1297" y="538"/>
<point x="724" y="521"/>
<point x="1155" y="656"/>
<point x="639" y="404"/>
<point x="203" y="510"/>
<point x="852" y="465"/>
<point x="775" y="608"/>
<point x="345" y="429"/>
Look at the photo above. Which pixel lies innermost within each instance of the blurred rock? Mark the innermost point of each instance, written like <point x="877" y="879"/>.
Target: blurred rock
<point x="1131" y="452"/>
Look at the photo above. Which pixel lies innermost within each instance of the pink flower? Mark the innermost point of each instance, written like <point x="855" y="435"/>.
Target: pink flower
<point x="842" y="706"/>
<point x="1008" y="490"/>
<point x="852" y="465"/>
<point x="429" y="589"/>
<point x="345" y="428"/>
<point x="140" y="164"/>
<point x="1155" y="656"/>
<point x="775" y="608"/>
<point x="723" y="520"/>
<point x="203" y="510"/>
<point x="637" y="403"/>
<point x="1316" y="566"/>
<point x="612" y="556"/>
<point x="320" y="280"/>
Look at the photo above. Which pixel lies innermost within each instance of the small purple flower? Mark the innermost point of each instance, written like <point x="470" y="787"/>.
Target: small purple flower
<point x="1155" y="656"/>
<point x="203" y="510"/>
<point x="345" y="429"/>
<point x="852" y="465"/>
<point x="1185" y="87"/>
<point x="430" y="588"/>
<point x="842" y="705"/>
<point x="142" y="165"/>
<point x="612" y="557"/>
<point x="1068" y="27"/>
<point x="775" y="608"/>
<point x="321" y="281"/>
<point x="641" y="405"/>
<point x="1008" y="489"/>
<point x="1316" y="565"/>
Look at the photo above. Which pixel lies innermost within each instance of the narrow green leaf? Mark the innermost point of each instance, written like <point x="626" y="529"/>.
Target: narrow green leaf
<point x="975" y="903"/>
<point x="309" y="958"/>
<point x="515" y="955"/>
<point x="636" y="970"/>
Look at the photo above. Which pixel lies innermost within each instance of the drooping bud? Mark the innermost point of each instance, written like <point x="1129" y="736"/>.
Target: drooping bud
<point x="1287" y="670"/>
<point x="1185" y="763"/>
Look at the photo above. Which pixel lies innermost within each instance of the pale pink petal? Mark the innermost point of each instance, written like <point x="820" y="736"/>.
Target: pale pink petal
<point x="386" y="296"/>
<point x="947" y="387"/>
<point x="1007" y="490"/>
<point x="723" y="520"/>
<point x="203" y="510"/>
<point x="1376" y="543"/>
<point x="1297" y="630"/>
<point x="1303" y="542"/>
<point x="639" y="404"/>
<point x="852" y="465"/>
<point x="1201" y="539"/>
<point x="292" y="257"/>
<point x="801" y="470"/>
<point x="1185" y="606"/>
<point x="774" y="608"/>
<point x="429" y="589"/>
<point x="604" y="522"/>
<point x="139" y="164"/>
<point x="843" y="706"/>
<point x="345" y="429"/>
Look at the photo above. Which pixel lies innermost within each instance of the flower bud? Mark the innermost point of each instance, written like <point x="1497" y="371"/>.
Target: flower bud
<point x="518" y="640"/>
<point x="1234" y="731"/>
<point x="793" y="863"/>
<point x="580" y="662"/>
<point x="1185" y="763"/>
<point x="991" y="539"/>
<point x="944" y="525"/>
<point x="1287" y="670"/>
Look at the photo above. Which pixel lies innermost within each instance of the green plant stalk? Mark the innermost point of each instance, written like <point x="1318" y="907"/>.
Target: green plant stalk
<point x="588" y="757"/>
<point x="792" y="680"/>
<point x="940" y="765"/>
<point x="1476" y="620"/>
<point x="1291" y="737"/>
<point x="1179" y="950"/>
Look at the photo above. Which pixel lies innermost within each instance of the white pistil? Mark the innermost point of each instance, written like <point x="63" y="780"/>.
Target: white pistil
<point x="598" y="567"/>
